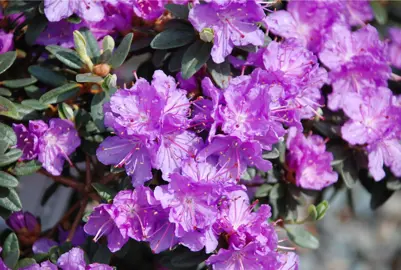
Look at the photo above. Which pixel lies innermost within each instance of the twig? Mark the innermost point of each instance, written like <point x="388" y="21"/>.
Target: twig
<point x="64" y="180"/>
<point x="78" y="219"/>
<point x="64" y="217"/>
<point x="88" y="178"/>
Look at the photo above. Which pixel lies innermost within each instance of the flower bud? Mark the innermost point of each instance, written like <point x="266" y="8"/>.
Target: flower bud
<point x="207" y="34"/>
<point x="26" y="226"/>
<point x="101" y="70"/>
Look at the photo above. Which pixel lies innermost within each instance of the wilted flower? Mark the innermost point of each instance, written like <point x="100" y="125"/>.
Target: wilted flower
<point x="25" y="225"/>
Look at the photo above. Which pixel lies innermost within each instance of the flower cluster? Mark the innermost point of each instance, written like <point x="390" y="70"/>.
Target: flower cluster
<point x="50" y="144"/>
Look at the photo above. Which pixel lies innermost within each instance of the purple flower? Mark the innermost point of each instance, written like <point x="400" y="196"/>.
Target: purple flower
<point x="395" y="47"/>
<point x="130" y="153"/>
<point x="102" y="222"/>
<point x="357" y="12"/>
<point x="46" y="265"/>
<point x="289" y="261"/>
<point x="342" y="45"/>
<point x="307" y="21"/>
<point x="56" y="144"/>
<point x="233" y="25"/>
<point x="90" y="10"/>
<point x="192" y="204"/>
<point x="75" y="260"/>
<point x="25" y="225"/>
<point x="233" y="155"/>
<point x="385" y="152"/>
<point x="28" y="138"/>
<point x="247" y="256"/>
<point x="78" y="239"/>
<point x="149" y="10"/>
<point x="72" y="260"/>
<point x="43" y="245"/>
<point x="308" y="158"/>
<point x="6" y="42"/>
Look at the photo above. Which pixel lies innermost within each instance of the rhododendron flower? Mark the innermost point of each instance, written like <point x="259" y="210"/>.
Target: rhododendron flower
<point x="308" y="158"/>
<point x="90" y="10"/>
<point x="232" y="25"/>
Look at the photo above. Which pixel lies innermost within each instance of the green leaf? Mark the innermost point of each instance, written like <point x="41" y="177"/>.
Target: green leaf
<point x="105" y="57"/>
<point x="301" y="237"/>
<point x="178" y="11"/>
<point x="26" y="113"/>
<point x="108" y="43"/>
<point x="25" y="168"/>
<point x="195" y="57"/>
<point x="102" y="255"/>
<point x="6" y="60"/>
<point x="188" y="259"/>
<point x="7" y="135"/>
<point x="174" y="64"/>
<point x="276" y="192"/>
<point x="380" y="12"/>
<point x="312" y="212"/>
<point x="273" y="154"/>
<point x="35" y="28"/>
<point x="7" y="108"/>
<point x="10" y="157"/>
<point x="105" y="192"/>
<point x="11" y="250"/>
<point x="348" y="172"/>
<point x="3" y="147"/>
<point x="159" y="57"/>
<point x="19" y="82"/>
<point x="329" y="130"/>
<point x="34" y="104"/>
<point x="88" y="77"/>
<point x="66" y="56"/>
<point x="25" y="263"/>
<point x="7" y="180"/>
<point x="65" y="111"/>
<point x="321" y="209"/>
<point x="47" y="76"/>
<point x="263" y="191"/>
<point x="5" y="92"/>
<point x="141" y="44"/>
<point x="97" y="110"/>
<point x="173" y="38"/>
<point x="393" y="184"/>
<point x="220" y="72"/>
<point x="92" y="47"/>
<point x="60" y="94"/>
<point x="9" y="199"/>
<point x="249" y="174"/>
<point x="33" y="91"/>
<point x="121" y="52"/>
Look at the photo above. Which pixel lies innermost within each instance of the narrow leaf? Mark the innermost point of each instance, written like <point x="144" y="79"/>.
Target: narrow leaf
<point x="92" y="47"/>
<point x="47" y="76"/>
<point x="121" y="52"/>
<point x="66" y="56"/>
<point x="7" y="180"/>
<point x="19" y="82"/>
<point x="301" y="237"/>
<point x="7" y="135"/>
<point x="9" y="199"/>
<point x="10" y="157"/>
<point x="5" y="92"/>
<point x="11" y="250"/>
<point x="60" y="94"/>
<point x="220" y="72"/>
<point x="178" y="11"/>
<point x="7" y="108"/>
<point x="173" y="38"/>
<point x="6" y="60"/>
<point x="25" y="168"/>
<point x="35" y="104"/>
<point x="88" y="77"/>
<point x="105" y="192"/>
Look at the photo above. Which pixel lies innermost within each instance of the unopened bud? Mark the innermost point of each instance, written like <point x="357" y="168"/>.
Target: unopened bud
<point x="26" y="226"/>
<point x="207" y="35"/>
<point x="101" y="70"/>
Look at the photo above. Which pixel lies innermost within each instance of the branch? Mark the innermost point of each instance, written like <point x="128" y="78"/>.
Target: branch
<point x="64" y="180"/>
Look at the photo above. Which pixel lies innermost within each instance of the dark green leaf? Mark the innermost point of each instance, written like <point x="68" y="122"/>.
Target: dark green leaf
<point x="97" y="110"/>
<point x="174" y="64"/>
<point x="11" y="250"/>
<point x="34" y="104"/>
<point x="33" y="91"/>
<point x="6" y="60"/>
<point x="102" y="255"/>
<point x="105" y="57"/>
<point x="19" y="82"/>
<point x="220" y="72"/>
<point x="7" y="180"/>
<point x="249" y="174"/>
<point x="195" y="57"/>
<point x="60" y="94"/>
<point x="65" y="111"/>
<point x="5" y="92"/>
<point x="188" y="259"/>
<point x="25" y="168"/>
<point x="159" y="57"/>
<point x="7" y="108"/>
<point x="173" y="38"/>
<point x="88" y="77"/>
<point x="328" y="130"/>
<point x="105" y="192"/>
<point x="66" y="56"/>
<point x="7" y="135"/>
<point x="74" y="19"/>
<point x="3" y="147"/>
<point x="248" y="48"/>
<point x="348" y="171"/>
<point x="9" y="199"/>
<point x="10" y="157"/>
<point x="20" y="6"/>
<point x="141" y="43"/>
<point x="121" y="52"/>
<point x="380" y="194"/>
<point x="277" y="192"/>
<point x="25" y="263"/>
<point x="263" y="191"/>
<point x="26" y="113"/>
<point x="50" y="190"/>
<point x="301" y="237"/>
<point x="47" y="76"/>
<point x="380" y="12"/>
<point x="273" y="154"/>
<point x="178" y="11"/>
<point x="92" y="48"/>
<point x="35" y="28"/>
